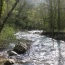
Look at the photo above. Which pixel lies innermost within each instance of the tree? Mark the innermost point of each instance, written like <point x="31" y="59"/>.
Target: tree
<point x="51" y="22"/>
<point x="1" y="5"/>
<point x="5" y="20"/>
<point x="17" y="22"/>
<point x="59" y="20"/>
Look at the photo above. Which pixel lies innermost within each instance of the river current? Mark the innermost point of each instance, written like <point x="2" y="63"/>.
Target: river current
<point x="43" y="50"/>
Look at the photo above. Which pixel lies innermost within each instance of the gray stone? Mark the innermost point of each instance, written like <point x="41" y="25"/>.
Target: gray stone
<point x="9" y="62"/>
<point x="21" y="48"/>
<point x="11" y="53"/>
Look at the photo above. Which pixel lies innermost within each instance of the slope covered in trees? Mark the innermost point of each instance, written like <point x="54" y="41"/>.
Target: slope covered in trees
<point x="48" y="15"/>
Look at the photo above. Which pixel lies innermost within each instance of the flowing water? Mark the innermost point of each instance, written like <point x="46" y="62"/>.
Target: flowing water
<point x="43" y="50"/>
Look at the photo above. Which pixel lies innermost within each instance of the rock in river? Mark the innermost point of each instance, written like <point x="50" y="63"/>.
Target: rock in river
<point x="9" y="62"/>
<point x="21" y="48"/>
<point x="11" y="53"/>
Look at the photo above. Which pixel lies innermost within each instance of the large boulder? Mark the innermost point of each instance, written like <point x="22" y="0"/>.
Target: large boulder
<point x="21" y="48"/>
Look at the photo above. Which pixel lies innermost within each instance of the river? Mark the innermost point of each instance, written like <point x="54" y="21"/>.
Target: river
<point x="43" y="50"/>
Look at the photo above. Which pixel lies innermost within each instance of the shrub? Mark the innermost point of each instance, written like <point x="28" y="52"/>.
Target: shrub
<point x="7" y="33"/>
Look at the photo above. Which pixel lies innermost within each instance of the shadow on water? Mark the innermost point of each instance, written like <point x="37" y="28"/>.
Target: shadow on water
<point x="60" y="57"/>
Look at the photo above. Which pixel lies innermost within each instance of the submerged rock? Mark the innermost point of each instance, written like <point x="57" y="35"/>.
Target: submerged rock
<point x="46" y="64"/>
<point x="20" y="48"/>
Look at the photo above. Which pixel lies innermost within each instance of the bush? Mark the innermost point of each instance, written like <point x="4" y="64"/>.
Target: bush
<point x="7" y="33"/>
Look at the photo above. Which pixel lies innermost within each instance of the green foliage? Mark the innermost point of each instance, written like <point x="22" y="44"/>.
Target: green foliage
<point x="7" y="33"/>
<point x="43" y="16"/>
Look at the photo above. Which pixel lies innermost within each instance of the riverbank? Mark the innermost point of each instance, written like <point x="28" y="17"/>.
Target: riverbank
<point x="55" y="35"/>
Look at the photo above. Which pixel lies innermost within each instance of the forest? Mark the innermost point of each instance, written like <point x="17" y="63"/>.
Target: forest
<point x="33" y="15"/>
<point x="24" y="15"/>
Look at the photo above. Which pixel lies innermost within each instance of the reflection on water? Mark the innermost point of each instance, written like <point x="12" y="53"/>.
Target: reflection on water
<point x="43" y="50"/>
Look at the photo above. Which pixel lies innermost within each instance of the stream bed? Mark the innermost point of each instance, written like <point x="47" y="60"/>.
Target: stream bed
<point x="43" y="50"/>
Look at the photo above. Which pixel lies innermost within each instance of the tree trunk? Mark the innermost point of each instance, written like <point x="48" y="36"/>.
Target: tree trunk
<point x="58" y="24"/>
<point x="51" y="25"/>
<point x="1" y="4"/>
